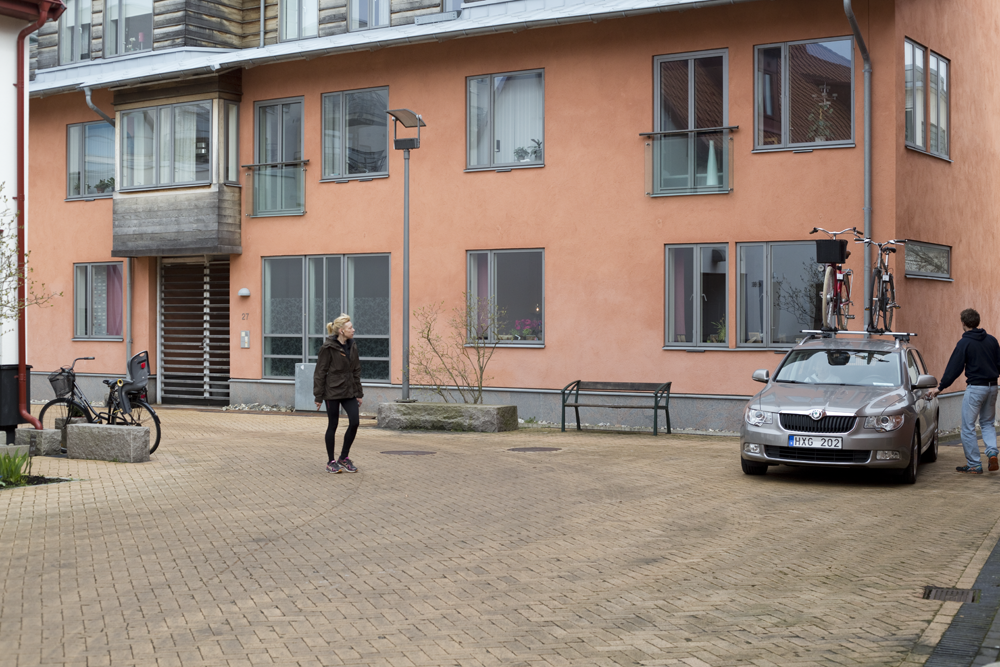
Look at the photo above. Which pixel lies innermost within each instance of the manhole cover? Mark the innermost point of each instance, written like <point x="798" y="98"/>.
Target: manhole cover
<point x="409" y="452"/>
<point x="951" y="594"/>
<point x="534" y="449"/>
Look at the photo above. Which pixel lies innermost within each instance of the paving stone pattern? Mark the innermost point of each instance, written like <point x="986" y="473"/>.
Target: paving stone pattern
<point x="234" y="547"/>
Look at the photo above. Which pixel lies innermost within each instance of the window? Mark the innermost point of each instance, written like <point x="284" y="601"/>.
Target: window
<point x="451" y="5"/>
<point x="74" y="32"/>
<point x="128" y="26"/>
<point x="97" y="300"/>
<point x="367" y="14"/>
<point x="299" y="19"/>
<point x="778" y="292"/>
<point x="356" y="134"/>
<point x="690" y="146"/>
<point x="511" y="281"/>
<point x="938" y="103"/>
<point x="927" y="260"/>
<point x="168" y="145"/>
<point x="279" y="182"/>
<point x="697" y="287"/>
<point x="231" y="173"/>
<point x="805" y="94"/>
<point x="506" y="119"/>
<point x="302" y="294"/>
<point x="90" y="160"/>
<point x="916" y="130"/>
<point x="926" y="70"/>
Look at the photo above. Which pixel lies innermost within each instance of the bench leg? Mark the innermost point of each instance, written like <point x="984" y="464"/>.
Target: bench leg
<point x="564" y="418"/>
<point x="668" y="419"/>
<point x="577" y="411"/>
<point x="656" y="414"/>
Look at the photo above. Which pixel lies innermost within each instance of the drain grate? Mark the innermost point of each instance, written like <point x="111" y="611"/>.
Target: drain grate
<point x="534" y="449"/>
<point x="408" y="452"/>
<point x="952" y="594"/>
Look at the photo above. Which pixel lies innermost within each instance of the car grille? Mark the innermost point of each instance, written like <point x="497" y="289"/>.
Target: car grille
<point x="818" y="455"/>
<point x="806" y="424"/>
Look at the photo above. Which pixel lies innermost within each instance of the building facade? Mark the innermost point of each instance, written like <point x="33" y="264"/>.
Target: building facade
<point x="633" y="184"/>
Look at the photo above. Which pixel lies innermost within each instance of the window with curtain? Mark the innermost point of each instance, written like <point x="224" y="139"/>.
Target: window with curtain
<point x="168" y="145"/>
<point x="299" y="19"/>
<point x="506" y="120"/>
<point x="697" y="289"/>
<point x="302" y="294"/>
<point x="356" y="134"/>
<point x="97" y="300"/>
<point x="804" y="94"/>
<point x="128" y="26"/>
<point x="279" y="180"/>
<point x="74" y="32"/>
<point x="690" y="148"/>
<point x="511" y="282"/>
<point x="90" y="160"/>
<point x="778" y="293"/>
<point x="366" y="14"/>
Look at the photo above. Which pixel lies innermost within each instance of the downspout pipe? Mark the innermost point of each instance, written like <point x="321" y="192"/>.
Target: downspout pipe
<point x="262" y="7"/>
<point x="866" y="57"/>
<point x="96" y="109"/>
<point x="46" y="9"/>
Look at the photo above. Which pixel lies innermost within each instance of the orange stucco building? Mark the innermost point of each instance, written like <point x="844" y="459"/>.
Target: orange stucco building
<point x="634" y="184"/>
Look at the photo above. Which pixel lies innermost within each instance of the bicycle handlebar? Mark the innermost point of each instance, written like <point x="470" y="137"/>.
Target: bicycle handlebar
<point x="884" y="243"/>
<point x="835" y="234"/>
<point x="80" y="359"/>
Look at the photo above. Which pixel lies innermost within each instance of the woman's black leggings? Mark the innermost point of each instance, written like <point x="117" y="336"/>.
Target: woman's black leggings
<point x="333" y="415"/>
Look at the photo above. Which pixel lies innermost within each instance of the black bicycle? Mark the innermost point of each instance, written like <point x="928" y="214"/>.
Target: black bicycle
<point x="882" y="302"/>
<point x="127" y="404"/>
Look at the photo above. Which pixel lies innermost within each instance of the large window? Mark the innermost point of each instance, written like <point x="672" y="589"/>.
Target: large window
<point x="231" y="151"/>
<point x="690" y="144"/>
<point x="926" y="71"/>
<point x="697" y="286"/>
<point x="302" y="294"/>
<point x="511" y="282"/>
<point x="927" y="260"/>
<point x="168" y="145"/>
<point x="299" y="19"/>
<point x="506" y="120"/>
<point x="805" y="94"/>
<point x="279" y="180"/>
<point x="356" y="134"/>
<point x="74" y="32"/>
<point x="128" y="26"/>
<point x="97" y="300"/>
<point x="778" y="293"/>
<point x="90" y="160"/>
<point x="365" y="14"/>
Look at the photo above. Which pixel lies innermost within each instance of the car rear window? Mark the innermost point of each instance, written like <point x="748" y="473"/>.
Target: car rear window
<point x="854" y="368"/>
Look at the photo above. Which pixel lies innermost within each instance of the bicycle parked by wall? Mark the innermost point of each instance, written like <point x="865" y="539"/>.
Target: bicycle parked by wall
<point x="882" y="303"/>
<point x="836" y="280"/>
<point x="126" y="404"/>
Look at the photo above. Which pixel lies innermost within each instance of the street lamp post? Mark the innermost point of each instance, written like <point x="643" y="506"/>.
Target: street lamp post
<point x="408" y="119"/>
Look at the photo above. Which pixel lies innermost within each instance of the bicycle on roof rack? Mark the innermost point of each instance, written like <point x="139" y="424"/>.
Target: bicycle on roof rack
<point x="882" y="301"/>
<point x="126" y="405"/>
<point x="836" y="293"/>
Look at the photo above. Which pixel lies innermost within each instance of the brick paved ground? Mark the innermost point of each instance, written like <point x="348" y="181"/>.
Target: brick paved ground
<point x="234" y="547"/>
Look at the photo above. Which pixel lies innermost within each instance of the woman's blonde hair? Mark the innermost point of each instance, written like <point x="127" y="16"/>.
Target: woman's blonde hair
<point x="333" y="328"/>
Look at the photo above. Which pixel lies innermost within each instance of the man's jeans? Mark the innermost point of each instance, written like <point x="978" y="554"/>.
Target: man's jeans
<point x="979" y="403"/>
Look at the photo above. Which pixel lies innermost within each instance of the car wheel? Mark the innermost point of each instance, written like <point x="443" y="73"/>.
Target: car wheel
<point x="930" y="456"/>
<point x="909" y="474"/>
<point x="751" y="468"/>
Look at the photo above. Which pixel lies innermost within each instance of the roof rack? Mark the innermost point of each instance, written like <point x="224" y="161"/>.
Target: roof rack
<point x="814" y="334"/>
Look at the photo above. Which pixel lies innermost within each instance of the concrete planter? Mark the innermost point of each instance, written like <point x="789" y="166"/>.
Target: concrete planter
<point x="101" y="442"/>
<point x="42" y="443"/>
<point x="447" y="417"/>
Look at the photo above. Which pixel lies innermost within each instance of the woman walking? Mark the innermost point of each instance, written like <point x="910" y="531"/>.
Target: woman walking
<point x="338" y="382"/>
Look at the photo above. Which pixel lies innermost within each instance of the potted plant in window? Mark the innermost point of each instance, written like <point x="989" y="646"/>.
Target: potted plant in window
<point x="105" y="184"/>
<point x="521" y="154"/>
<point x="822" y="116"/>
<point x="536" y="150"/>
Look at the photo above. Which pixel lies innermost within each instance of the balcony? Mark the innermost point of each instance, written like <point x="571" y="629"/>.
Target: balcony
<point x="689" y="162"/>
<point x="279" y="188"/>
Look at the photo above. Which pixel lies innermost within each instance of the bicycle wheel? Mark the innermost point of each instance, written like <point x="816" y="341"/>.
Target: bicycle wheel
<point x="843" y="312"/>
<point x="141" y="415"/>
<point x="887" y="305"/>
<point x="829" y="299"/>
<point x="875" y="301"/>
<point x="60" y="413"/>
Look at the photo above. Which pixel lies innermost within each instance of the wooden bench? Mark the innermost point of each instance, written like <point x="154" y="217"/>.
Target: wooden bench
<point x="660" y="394"/>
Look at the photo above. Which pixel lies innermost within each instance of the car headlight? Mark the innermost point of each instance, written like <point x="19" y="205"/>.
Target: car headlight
<point x="884" y="423"/>
<point x="758" y="417"/>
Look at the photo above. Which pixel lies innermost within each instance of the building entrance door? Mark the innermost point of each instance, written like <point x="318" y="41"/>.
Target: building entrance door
<point x="194" y="330"/>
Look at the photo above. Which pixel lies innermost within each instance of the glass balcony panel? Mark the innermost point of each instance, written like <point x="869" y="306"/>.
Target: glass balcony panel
<point x="279" y="190"/>
<point x="695" y="162"/>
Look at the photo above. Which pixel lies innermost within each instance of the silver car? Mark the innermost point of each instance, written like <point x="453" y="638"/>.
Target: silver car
<point x="843" y="401"/>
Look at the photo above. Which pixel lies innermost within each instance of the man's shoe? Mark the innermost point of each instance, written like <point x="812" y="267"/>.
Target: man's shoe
<point x="347" y="466"/>
<point x="333" y="467"/>
<point x="994" y="464"/>
<point x="971" y="470"/>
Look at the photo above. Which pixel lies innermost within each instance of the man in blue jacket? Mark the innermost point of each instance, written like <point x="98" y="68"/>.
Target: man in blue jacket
<point x="978" y="353"/>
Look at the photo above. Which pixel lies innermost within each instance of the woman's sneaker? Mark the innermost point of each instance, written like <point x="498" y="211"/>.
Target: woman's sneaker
<point x="333" y="466"/>
<point x="346" y="466"/>
<point x="970" y="470"/>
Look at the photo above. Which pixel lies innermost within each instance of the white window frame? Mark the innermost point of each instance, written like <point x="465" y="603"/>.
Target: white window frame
<point x="697" y="310"/>
<point x="89" y="324"/>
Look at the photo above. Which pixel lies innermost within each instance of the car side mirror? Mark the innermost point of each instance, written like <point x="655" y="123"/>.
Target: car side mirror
<point x="925" y="382"/>
<point x="763" y="375"/>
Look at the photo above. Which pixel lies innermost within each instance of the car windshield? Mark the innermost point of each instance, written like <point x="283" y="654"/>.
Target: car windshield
<point x="841" y="367"/>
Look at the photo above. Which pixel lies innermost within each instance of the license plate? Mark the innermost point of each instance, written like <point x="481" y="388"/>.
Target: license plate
<point x="816" y="441"/>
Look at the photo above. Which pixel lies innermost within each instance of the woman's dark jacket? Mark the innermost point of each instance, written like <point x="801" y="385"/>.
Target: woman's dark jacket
<point x="338" y="371"/>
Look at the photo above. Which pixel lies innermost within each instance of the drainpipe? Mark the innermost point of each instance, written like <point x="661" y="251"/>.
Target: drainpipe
<point x="96" y="109"/>
<point x="868" y="155"/>
<point x="262" y="4"/>
<point x="128" y="312"/>
<point x="44" y="8"/>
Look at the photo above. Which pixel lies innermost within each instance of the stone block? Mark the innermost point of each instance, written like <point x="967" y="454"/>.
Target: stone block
<point x="447" y="417"/>
<point x="13" y="450"/>
<point x="102" y="442"/>
<point x="42" y="443"/>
